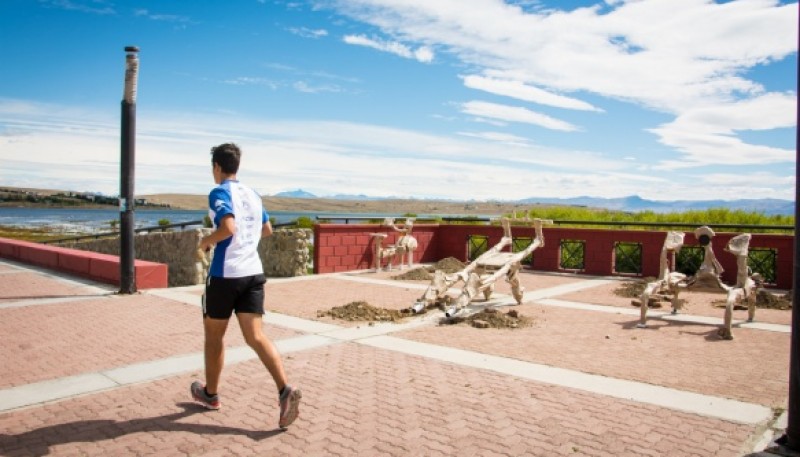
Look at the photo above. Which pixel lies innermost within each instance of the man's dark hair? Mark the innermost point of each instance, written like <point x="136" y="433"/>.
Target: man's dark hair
<point x="227" y="156"/>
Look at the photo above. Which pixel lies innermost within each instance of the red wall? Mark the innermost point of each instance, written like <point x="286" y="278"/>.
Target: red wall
<point x="346" y="247"/>
<point x="99" y="267"/>
<point x="341" y="247"/>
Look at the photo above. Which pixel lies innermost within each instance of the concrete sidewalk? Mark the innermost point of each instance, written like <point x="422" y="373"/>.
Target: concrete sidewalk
<point x="89" y="372"/>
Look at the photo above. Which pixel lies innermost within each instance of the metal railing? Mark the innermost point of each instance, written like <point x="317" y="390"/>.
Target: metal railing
<point x="152" y="228"/>
<point x="347" y="219"/>
<point x="665" y="225"/>
<point x="678" y="225"/>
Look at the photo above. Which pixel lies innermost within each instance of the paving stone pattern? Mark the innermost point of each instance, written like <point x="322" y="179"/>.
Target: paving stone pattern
<point x="363" y="400"/>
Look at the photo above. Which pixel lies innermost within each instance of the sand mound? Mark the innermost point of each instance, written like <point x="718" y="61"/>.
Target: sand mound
<point x="417" y="274"/>
<point x="448" y="265"/>
<point x="492" y="318"/>
<point x="765" y="300"/>
<point x="634" y="288"/>
<point x="362" y="311"/>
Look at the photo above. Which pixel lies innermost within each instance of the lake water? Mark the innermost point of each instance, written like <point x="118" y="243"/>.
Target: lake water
<point x="78" y="220"/>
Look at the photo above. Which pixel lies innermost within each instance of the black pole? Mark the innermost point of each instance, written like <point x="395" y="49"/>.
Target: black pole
<point x="127" y="274"/>
<point x="792" y="437"/>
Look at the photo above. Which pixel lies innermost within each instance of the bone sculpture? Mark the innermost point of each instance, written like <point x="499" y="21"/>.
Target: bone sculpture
<point x="746" y="288"/>
<point x="202" y="260"/>
<point x="405" y="245"/>
<point x="668" y="281"/>
<point x="707" y="277"/>
<point x="482" y="273"/>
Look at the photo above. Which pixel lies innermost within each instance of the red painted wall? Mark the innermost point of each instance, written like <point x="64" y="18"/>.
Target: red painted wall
<point x="92" y="265"/>
<point x="342" y="247"/>
<point x="346" y="247"/>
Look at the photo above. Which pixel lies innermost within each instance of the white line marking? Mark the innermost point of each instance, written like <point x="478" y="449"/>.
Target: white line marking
<point x="721" y="408"/>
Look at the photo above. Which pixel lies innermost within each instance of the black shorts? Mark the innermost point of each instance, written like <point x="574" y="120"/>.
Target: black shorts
<point x="223" y="296"/>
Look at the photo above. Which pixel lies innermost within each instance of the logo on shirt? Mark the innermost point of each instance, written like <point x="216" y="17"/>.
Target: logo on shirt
<point x="219" y="204"/>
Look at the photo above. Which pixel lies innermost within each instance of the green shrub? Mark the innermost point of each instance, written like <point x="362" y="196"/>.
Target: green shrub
<point x="690" y="218"/>
<point x="304" y="222"/>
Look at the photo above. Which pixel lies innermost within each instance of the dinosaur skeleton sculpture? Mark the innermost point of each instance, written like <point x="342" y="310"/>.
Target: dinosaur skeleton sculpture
<point x="707" y="277"/>
<point x="482" y="273"/>
<point x="668" y="282"/>
<point x="404" y="246"/>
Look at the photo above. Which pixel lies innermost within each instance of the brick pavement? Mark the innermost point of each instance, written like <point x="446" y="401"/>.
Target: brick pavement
<point x="361" y="399"/>
<point x="700" y="303"/>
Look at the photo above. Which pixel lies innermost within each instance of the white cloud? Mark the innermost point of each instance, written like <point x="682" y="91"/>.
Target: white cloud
<point x="162" y="17"/>
<point x="630" y="52"/>
<point x="707" y="135"/>
<point x="305" y="32"/>
<point x="674" y="56"/>
<point x="94" y="7"/>
<point x="422" y="54"/>
<point x="497" y="136"/>
<point x="521" y="91"/>
<point x="761" y="180"/>
<point x="304" y="86"/>
<point x="252" y="81"/>
<point x="334" y="157"/>
<point x="515" y="114"/>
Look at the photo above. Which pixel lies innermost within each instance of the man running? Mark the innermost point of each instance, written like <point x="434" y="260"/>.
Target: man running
<point x="236" y="282"/>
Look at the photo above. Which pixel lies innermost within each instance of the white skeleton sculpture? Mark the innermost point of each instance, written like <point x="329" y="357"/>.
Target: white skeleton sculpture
<point x="202" y="260"/>
<point x="670" y="283"/>
<point x="403" y="247"/>
<point x="482" y="273"/>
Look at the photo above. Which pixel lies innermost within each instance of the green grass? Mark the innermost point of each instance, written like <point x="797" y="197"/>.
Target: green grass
<point x="691" y="218"/>
<point x="33" y="234"/>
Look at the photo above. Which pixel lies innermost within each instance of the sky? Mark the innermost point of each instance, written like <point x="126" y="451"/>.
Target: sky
<point x="428" y="99"/>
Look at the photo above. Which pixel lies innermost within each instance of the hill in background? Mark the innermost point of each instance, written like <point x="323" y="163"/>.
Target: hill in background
<point x="339" y="205"/>
<point x="632" y="203"/>
<point x="303" y="201"/>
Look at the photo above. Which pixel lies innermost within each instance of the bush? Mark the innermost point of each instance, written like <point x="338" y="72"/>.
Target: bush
<point x="304" y="222"/>
<point x="691" y="218"/>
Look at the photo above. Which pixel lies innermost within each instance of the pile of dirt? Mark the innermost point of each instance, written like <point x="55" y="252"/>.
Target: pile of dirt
<point x="633" y="289"/>
<point x="362" y="311"/>
<point x="417" y="274"/>
<point x="491" y="318"/>
<point x="765" y="300"/>
<point x="448" y="265"/>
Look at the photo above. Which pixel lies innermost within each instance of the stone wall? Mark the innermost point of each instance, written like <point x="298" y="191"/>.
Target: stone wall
<point x="286" y="253"/>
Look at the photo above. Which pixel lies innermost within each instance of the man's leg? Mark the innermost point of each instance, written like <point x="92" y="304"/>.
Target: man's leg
<point x="214" y="351"/>
<point x="250" y="324"/>
<point x="288" y="396"/>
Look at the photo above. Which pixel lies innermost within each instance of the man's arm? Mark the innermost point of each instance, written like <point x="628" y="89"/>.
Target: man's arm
<point x="266" y="229"/>
<point x="226" y="229"/>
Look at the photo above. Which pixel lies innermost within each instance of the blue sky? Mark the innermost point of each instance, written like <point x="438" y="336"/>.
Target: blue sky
<point x="484" y="99"/>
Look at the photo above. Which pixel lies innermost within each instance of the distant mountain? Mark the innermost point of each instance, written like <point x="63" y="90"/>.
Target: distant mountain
<point x="299" y="193"/>
<point x="635" y="203"/>
<point x="631" y="203"/>
<point x="355" y="197"/>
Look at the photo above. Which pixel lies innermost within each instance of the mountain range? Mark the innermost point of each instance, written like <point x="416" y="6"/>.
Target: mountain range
<point x="633" y="203"/>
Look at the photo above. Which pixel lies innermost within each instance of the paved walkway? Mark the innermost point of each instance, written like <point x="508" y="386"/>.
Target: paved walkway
<point x="89" y="372"/>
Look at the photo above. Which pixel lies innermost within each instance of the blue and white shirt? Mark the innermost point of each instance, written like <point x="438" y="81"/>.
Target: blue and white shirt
<point x="237" y="256"/>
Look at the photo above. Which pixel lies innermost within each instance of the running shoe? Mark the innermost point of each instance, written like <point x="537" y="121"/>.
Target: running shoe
<point x="290" y="406"/>
<point x="199" y="395"/>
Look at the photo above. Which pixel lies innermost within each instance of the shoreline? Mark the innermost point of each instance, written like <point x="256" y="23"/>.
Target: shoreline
<point x="332" y="206"/>
<point x="179" y="201"/>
